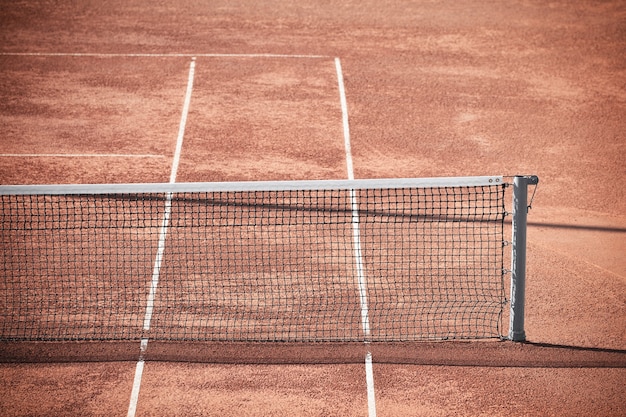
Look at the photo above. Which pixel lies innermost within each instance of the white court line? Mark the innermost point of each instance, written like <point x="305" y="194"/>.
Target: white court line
<point x="344" y="118"/>
<point x="163" y="55"/>
<point x="78" y="155"/>
<point x="134" y="397"/>
<point x="355" y="207"/>
<point x="183" y="121"/>
<point x="358" y="258"/>
<point x="356" y="235"/>
<point x="369" y="378"/>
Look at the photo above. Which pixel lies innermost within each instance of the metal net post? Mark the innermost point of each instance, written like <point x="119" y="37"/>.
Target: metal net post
<point x="518" y="256"/>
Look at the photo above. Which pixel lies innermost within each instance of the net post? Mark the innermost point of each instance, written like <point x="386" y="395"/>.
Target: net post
<point x="518" y="256"/>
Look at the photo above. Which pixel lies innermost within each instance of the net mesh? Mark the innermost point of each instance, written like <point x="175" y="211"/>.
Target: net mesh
<point x="390" y="264"/>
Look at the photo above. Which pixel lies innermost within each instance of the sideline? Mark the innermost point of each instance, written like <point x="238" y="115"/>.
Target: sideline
<point x="134" y="396"/>
<point x="369" y="371"/>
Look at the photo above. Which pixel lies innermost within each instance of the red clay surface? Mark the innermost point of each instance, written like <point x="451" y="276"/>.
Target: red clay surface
<point x="433" y="89"/>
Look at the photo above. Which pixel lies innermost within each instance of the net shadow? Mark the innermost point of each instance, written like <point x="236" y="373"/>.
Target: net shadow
<point x="504" y="354"/>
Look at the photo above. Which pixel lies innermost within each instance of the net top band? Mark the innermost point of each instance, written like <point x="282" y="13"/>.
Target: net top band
<point x="243" y="186"/>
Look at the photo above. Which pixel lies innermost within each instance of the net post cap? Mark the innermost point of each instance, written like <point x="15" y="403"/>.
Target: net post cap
<point x="530" y="179"/>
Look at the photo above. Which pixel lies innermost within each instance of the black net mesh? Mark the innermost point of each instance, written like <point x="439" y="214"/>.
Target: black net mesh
<point x="296" y="265"/>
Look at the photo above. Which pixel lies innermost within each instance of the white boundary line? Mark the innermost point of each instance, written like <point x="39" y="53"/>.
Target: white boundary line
<point x="78" y="155"/>
<point x="183" y="121"/>
<point x="163" y="55"/>
<point x="356" y="234"/>
<point x="369" y="379"/>
<point x="134" y="396"/>
<point x="358" y="259"/>
<point x="344" y="119"/>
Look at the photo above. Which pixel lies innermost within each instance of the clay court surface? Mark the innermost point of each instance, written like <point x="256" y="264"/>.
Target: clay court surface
<point x="93" y="92"/>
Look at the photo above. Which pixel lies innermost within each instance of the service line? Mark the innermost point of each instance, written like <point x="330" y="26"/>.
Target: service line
<point x="78" y="155"/>
<point x="162" y="55"/>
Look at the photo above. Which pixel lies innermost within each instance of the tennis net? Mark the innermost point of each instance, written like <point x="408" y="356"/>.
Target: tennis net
<point x="296" y="261"/>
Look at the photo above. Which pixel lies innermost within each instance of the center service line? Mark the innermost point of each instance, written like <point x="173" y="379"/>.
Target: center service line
<point x="134" y="396"/>
<point x="356" y="235"/>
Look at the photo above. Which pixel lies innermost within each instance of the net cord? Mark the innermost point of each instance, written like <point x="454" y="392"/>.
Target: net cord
<point x="191" y="187"/>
